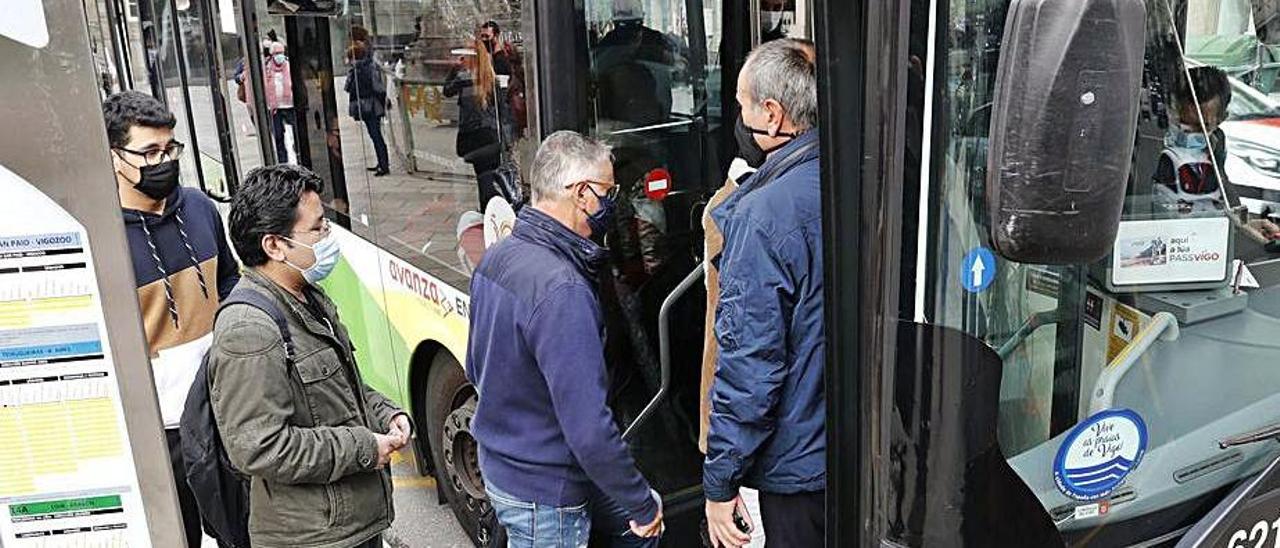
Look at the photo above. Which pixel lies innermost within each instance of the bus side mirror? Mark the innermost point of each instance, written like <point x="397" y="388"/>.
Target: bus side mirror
<point x="1062" y="127"/>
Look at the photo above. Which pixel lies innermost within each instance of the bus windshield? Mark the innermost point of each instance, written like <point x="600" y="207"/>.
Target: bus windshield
<point x="1120" y="378"/>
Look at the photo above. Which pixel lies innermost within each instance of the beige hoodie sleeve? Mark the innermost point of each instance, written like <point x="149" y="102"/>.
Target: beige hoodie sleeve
<point x="710" y="350"/>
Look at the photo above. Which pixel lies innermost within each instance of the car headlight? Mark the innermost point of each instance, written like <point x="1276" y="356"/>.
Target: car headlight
<point x="1265" y="160"/>
<point x="1267" y="164"/>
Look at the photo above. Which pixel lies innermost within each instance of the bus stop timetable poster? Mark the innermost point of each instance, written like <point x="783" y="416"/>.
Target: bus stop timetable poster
<point x="67" y="477"/>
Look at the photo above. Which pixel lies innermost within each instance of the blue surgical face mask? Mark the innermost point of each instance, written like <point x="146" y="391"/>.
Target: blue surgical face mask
<point x="1178" y="137"/>
<point x="326" y="252"/>
<point x="603" y="217"/>
<point x="280" y="58"/>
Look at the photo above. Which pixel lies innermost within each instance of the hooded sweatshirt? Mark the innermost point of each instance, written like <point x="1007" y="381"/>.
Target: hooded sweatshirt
<point x="183" y="268"/>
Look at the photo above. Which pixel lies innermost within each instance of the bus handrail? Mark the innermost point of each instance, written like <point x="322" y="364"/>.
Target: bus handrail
<point x="1030" y="326"/>
<point x="664" y="347"/>
<point x="1163" y="325"/>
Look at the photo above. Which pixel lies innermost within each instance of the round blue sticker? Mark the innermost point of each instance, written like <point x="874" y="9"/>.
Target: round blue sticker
<point x="1099" y="453"/>
<point x="978" y="270"/>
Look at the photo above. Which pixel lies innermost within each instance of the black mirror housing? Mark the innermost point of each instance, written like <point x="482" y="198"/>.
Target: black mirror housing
<point x="1062" y="127"/>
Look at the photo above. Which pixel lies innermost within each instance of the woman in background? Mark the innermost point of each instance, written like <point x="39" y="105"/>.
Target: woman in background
<point x="367" y="100"/>
<point x="473" y="81"/>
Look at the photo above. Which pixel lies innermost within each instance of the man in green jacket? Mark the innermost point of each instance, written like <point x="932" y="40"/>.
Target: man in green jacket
<point x="315" y="440"/>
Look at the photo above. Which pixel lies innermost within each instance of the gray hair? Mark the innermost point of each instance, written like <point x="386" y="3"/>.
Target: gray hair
<point x="784" y="71"/>
<point x="565" y="157"/>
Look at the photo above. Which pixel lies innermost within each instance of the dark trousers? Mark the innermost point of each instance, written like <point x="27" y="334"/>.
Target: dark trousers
<point x="374" y="125"/>
<point x="375" y="542"/>
<point x="487" y="187"/>
<point x="279" y="118"/>
<point x="798" y="520"/>
<point x="186" y="499"/>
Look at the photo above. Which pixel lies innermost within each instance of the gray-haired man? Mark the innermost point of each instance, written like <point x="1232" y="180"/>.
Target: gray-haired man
<point x="767" y="427"/>
<point x="553" y="460"/>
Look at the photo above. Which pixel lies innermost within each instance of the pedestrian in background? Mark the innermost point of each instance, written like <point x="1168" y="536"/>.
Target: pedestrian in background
<point x="367" y="100"/>
<point x="278" y="84"/>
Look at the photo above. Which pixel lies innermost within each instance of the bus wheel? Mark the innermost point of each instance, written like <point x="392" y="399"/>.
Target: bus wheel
<point x="451" y="402"/>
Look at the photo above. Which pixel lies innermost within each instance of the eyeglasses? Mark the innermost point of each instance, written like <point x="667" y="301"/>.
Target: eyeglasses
<point x="611" y="189"/>
<point x="153" y="156"/>
<point x="323" y="231"/>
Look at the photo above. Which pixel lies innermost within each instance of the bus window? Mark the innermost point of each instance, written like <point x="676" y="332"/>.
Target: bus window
<point x="206" y="108"/>
<point x="163" y="37"/>
<point x="1120" y="377"/>
<point x="459" y="118"/>
<point x="774" y="19"/>
<point x="650" y="103"/>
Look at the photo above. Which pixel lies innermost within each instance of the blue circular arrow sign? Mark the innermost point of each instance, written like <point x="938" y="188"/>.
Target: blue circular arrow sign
<point x="978" y="270"/>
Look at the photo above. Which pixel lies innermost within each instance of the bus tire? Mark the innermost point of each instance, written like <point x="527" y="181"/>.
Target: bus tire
<point x="451" y="402"/>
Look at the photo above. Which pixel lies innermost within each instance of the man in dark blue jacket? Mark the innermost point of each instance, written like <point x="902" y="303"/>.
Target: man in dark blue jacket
<point x="767" y="401"/>
<point x="553" y="460"/>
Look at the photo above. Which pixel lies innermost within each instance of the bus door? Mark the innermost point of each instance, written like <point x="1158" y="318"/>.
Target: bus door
<point x="1104" y="398"/>
<point x="171" y="49"/>
<point x="660" y="79"/>
<point x="653" y="91"/>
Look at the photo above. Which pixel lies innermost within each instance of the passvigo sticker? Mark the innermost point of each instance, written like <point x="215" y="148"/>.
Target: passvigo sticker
<point x="1099" y="453"/>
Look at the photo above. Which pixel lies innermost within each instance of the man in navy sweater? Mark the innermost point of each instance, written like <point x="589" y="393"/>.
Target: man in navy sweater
<point x="553" y="460"/>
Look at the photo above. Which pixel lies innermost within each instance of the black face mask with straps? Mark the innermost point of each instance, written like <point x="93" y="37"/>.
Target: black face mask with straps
<point x="158" y="181"/>
<point x="748" y="149"/>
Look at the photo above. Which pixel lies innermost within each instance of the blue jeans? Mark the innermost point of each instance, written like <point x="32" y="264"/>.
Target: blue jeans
<point x="533" y="525"/>
<point x="279" y="118"/>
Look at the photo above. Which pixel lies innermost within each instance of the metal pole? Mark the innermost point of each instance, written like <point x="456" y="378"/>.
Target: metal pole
<point x="253" y="74"/>
<point x="179" y="47"/>
<point x="211" y="28"/>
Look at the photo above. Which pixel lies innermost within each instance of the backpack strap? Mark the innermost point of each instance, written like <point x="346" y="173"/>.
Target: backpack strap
<point x="256" y="299"/>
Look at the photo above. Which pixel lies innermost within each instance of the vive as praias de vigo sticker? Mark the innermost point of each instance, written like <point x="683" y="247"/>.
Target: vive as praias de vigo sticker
<point x="1099" y="453"/>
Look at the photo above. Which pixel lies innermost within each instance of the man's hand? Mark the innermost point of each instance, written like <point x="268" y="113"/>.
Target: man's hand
<point x="1262" y="230"/>
<point x="400" y="428"/>
<point x="387" y="444"/>
<point x="648" y="531"/>
<point x="720" y="526"/>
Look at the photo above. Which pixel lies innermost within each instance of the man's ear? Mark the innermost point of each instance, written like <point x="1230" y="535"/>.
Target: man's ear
<point x="117" y="163"/>
<point x="776" y="115"/>
<point x="273" y="246"/>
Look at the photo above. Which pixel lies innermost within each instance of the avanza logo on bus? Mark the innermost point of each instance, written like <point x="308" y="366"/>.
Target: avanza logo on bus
<point x="427" y="288"/>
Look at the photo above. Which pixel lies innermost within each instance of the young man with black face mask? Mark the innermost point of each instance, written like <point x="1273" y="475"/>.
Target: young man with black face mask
<point x="181" y="260"/>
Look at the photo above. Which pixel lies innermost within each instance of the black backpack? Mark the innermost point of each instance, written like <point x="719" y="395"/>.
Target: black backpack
<point x="221" y="492"/>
